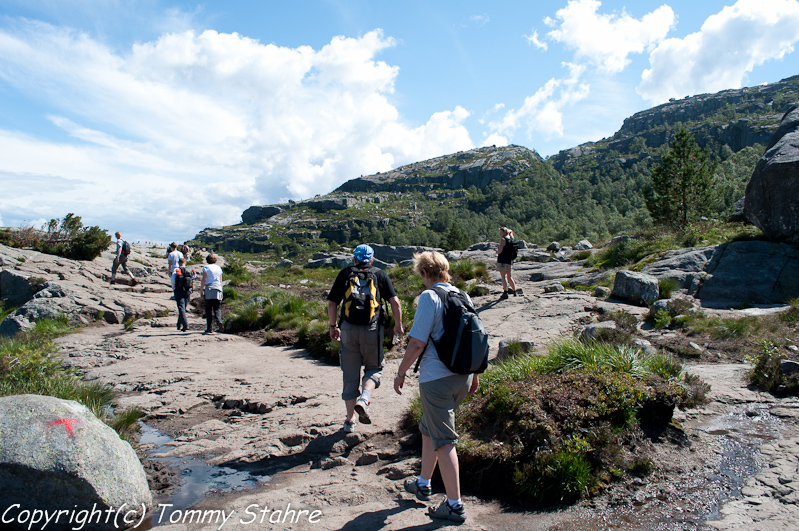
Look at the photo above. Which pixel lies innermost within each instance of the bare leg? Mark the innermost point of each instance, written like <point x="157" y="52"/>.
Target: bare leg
<point x="448" y="466"/>
<point x="429" y="457"/>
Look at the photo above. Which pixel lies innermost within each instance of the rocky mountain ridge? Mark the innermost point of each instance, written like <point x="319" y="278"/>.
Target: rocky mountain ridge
<point x="598" y="181"/>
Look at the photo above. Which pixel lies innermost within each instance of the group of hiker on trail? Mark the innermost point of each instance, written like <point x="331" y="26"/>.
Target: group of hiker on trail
<point x="183" y="283"/>
<point x="182" y="280"/>
<point x="447" y="343"/>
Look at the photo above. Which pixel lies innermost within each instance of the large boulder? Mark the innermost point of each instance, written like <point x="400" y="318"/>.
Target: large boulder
<point x="15" y="288"/>
<point x="684" y="266"/>
<point x="636" y="287"/>
<point x="55" y="454"/>
<point x="254" y="214"/>
<point x="402" y="253"/>
<point x="772" y="195"/>
<point x="751" y="272"/>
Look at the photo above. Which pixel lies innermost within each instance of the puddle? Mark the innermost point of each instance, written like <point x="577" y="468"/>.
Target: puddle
<point x="198" y="478"/>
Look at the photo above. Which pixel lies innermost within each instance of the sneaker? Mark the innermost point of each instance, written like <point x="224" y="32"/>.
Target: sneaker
<point x="349" y="427"/>
<point x="504" y="295"/>
<point x="185" y="329"/>
<point x="362" y="409"/>
<point x="445" y="512"/>
<point x="422" y="493"/>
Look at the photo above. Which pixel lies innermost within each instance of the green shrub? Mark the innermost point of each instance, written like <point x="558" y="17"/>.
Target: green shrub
<point x="66" y="237"/>
<point x="767" y="372"/>
<point x="236" y="271"/>
<point x="662" y="319"/>
<point x="667" y="286"/>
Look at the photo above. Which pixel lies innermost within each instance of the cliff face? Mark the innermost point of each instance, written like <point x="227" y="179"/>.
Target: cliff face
<point x="737" y="118"/>
<point x="476" y="167"/>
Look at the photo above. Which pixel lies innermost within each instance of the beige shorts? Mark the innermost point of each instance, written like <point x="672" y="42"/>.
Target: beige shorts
<point x="504" y="268"/>
<point x="439" y="400"/>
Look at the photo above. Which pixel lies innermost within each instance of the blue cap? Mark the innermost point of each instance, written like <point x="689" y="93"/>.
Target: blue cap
<point x="363" y="253"/>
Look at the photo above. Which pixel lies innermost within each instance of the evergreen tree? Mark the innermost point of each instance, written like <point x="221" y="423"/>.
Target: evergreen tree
<point x="456" y="239"/>
<point x="682" y="184"/>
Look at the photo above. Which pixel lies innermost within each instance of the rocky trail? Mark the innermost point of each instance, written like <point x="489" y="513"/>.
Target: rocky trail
<point x="267" y="420"/>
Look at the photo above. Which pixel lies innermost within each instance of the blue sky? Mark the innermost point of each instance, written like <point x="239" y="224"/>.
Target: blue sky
<point x="160" y="118"/>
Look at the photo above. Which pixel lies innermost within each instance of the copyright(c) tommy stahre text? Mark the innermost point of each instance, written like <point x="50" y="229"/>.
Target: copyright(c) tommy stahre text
<point x="129" y="516"/>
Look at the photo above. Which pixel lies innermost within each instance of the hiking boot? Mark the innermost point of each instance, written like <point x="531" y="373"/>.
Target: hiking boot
<point x="444" y="511"/>
<point x="422" y="493"/>
<point x="362" y="409"/>
<point x="504" y="295"/>
<point x="349" y="427"/>
<point x="113" y="281"/>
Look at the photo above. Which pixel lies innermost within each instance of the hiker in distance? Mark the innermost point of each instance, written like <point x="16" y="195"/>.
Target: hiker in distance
<point x="506" y="254"/>
<point x="211" y="294"/>
<point x="182" y="279"/>
<point x="440" y="389"/>
<point x="360" y="290"/>
<point x="172" y="258"/>
<point x="121" y="259"/>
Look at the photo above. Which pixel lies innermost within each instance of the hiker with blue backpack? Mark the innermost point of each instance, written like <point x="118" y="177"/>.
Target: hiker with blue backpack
<point x="450" y="348"/>
<point x="360" y="289"/>
<point x="506" y="254"/>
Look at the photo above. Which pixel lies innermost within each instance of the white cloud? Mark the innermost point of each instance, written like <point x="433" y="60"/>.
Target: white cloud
<point x="541" y="112"/>
<point x="494" y="140"/>
<point x="535" y="41"/>
<point x="606" y="41"/>
<point x="727" y="47"/>
<point x="191" y="129"/>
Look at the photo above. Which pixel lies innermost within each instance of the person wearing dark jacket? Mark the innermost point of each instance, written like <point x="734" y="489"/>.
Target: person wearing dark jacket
<point x="505" y="262"/>
<point x="182" y="292"/>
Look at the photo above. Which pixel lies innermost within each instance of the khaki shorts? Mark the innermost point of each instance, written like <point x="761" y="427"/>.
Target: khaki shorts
<point x="361" y="346"/>
<point x="504" y="268"/>
<point x="439" y="400"/>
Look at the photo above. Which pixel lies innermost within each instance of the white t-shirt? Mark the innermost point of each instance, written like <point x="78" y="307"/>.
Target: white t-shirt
<point x="174" y="259"/>
<point x="213" y="273"/>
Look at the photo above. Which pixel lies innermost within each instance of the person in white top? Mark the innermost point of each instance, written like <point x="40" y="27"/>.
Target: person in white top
<point x="173" y="258"/>
<point x="212" y="294"/>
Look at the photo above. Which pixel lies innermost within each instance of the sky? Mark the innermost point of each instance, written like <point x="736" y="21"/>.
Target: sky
<point x="159" y="118"/>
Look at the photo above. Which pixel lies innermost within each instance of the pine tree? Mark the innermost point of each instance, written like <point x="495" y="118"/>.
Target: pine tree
<point x="683" y="184"/>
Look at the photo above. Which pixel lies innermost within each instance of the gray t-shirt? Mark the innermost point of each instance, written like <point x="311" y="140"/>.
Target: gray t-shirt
<point x="428" y="326"/>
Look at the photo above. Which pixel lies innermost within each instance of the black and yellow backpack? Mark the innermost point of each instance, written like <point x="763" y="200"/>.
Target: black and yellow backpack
<point x="361" y="297"/>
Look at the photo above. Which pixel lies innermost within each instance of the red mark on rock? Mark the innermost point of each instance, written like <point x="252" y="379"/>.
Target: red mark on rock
<point x="67" y="424"/>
